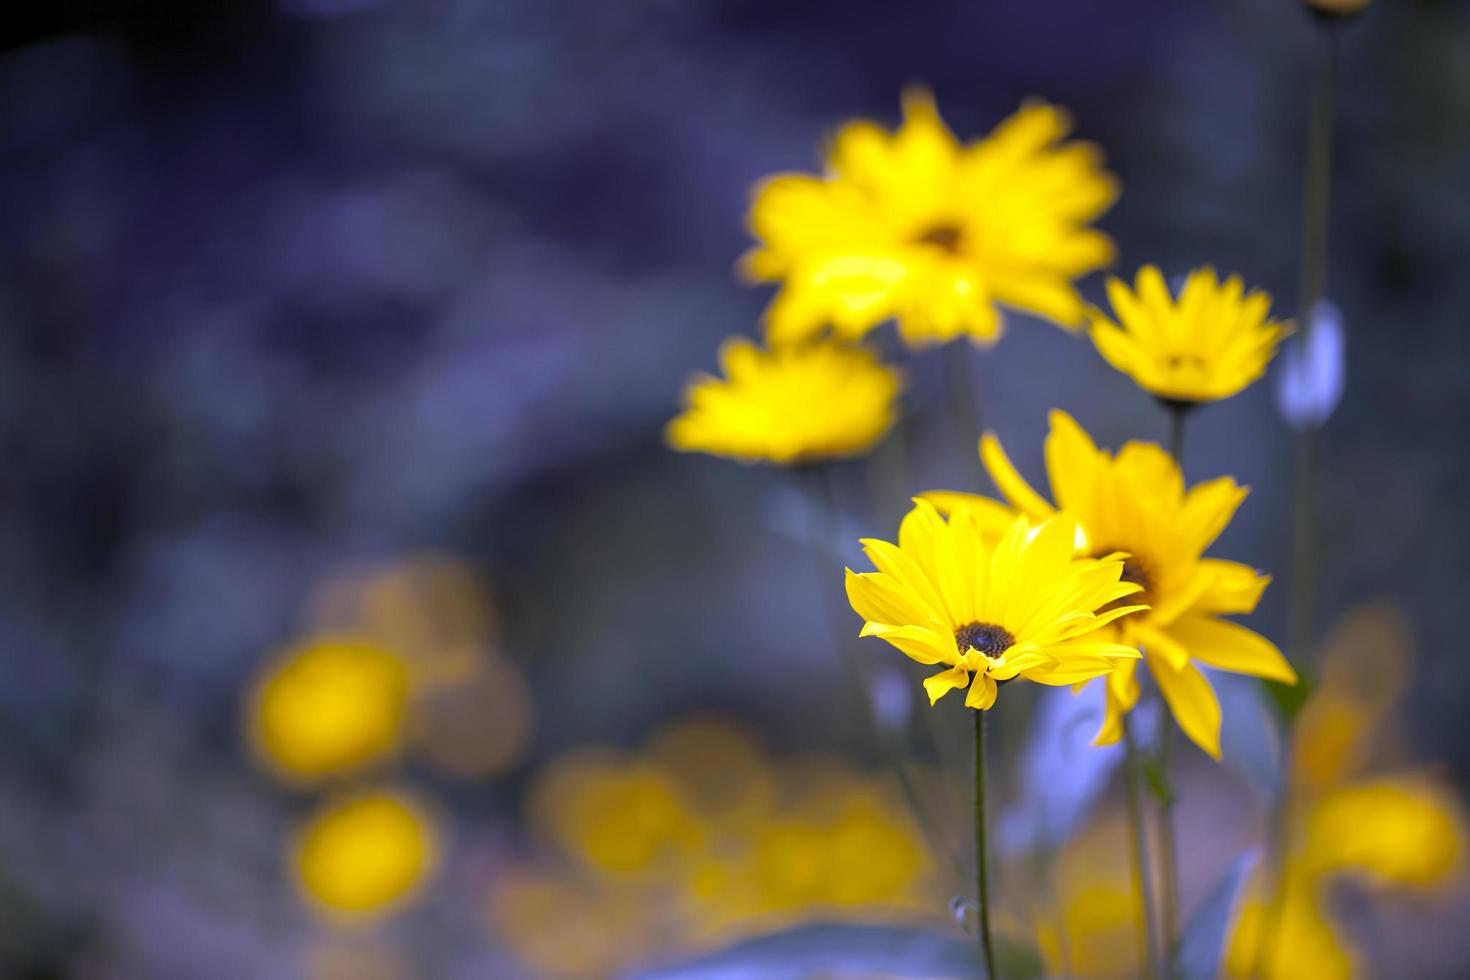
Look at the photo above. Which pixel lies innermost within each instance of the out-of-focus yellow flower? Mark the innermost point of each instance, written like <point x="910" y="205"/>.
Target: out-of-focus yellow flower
<point x="617" y="816"/>
<point x="1020" y="606"/>
<point x="431" y="609"/>
<point x="1088" y="926"/>
<point x="914" y="225"/>
<point x="788" y="405"/>
<point x="1397" y="831"/>
<point x="363" y="855"/>
<point x="328" y="708"/>
<point x="1208" y="344"/>
<point x="1306" y="943"/>
<point x="469" y="713"/>
<point x="1136" y="503"/>
<point x="696" y="840"/>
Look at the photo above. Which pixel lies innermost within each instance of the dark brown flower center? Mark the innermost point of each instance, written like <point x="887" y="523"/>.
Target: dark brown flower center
<point x="946" y="237"/>
<point x="989" y="640"/>
<point x="1135" y="570"/>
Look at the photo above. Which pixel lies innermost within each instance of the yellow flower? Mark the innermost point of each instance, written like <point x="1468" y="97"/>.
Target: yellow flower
<point x="788" y="405"/>
<point x="619" y="817"/>
<point x="330" y="707"/>
<point x="363" y="855"/>
<point x="1018" y="607"/>
<point x="917" y="226"/>
<point x="1136" y="503"/>
<point x="1399" y="831"/>
<point x="1208" y="344"/>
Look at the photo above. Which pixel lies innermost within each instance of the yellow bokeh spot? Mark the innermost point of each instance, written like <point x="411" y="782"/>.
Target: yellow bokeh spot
<point x="619" y="817"/>
<point x="366" y="854"/>
<point x="329" y="708"/>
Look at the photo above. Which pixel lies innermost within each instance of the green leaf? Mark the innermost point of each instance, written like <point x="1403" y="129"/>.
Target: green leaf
<point x="1158" y="780"/>
<point x="1289" y="699"/>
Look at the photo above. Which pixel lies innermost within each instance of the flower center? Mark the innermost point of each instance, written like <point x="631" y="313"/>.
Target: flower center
<point x="945" y="237"/>
<point x="989" y="640"/>
<point x="1137" y="571"/>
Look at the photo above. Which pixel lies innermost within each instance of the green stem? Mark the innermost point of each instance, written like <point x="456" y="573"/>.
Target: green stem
<point x="982" y="883"/>
<point x="1301" y="611"/>
<point x="1168" y="853"/>
<point x="1138" y="841"/>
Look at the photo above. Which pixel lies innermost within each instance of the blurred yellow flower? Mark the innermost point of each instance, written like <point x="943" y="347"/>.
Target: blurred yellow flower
<point x="1396" y="831"/>
<point x="1086" y="924"/>
<point x="364" y="855"/>
<point x="1208" y="344"/>
<point x="329" y="707"/>
<point x="695" y="840"/>
<point x="914" y="225"/>
<point x="789" y="405"/>
<point x="1020" y="606"/>
<point x="618" y="816"/>
<point x="1136" y="503"/>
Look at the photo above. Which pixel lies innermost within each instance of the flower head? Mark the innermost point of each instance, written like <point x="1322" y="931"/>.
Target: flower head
<point x="1207" y="344"/>
<point x="790" y="404"/>
<point x="365" y="854"/>
<point x="328" y="708"/>
<point x="1136" y="503"/>
<point x="915" y="225"/>
<point x="1017" y="606"/>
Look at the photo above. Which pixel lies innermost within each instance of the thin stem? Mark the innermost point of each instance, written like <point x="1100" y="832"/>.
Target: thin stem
<point x="982" y="883"/>
<point x="1168" y="852"/>
<point x="1168" y="860"/>
<point x="1301" y="611"/>
<point x="1138" y="840"/>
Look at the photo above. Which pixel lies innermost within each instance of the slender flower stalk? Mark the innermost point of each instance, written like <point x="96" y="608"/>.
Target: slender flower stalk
<point x="1301" y="609"/>
<point x="1138" y="844"/>
<point x="1168" y="856"/>
<point x="982" y="880"/>
<point x="962" y="390"/>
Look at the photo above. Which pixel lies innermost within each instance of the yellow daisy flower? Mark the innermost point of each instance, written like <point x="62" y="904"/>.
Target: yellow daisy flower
<point x="790" y="404"/>
<point x="1019" y="606"/>
<point x="1136" y="503"/>
<point x="1206" y="345"/>
<point x="917" y="226"/>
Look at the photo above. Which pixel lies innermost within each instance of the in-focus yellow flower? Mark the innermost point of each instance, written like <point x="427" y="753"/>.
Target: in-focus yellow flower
<point x="914" y="225"/>
<point x="789" y="405"/>
<point x="1019" y="606"/>
<point x="1136" y="503"/>
<point x="366" y="854"/>
<point x="1208" y="344"/>
<point x="328" y="708"/>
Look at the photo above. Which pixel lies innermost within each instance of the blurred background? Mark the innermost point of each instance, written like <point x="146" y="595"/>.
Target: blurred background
<point x="336" y="340"/>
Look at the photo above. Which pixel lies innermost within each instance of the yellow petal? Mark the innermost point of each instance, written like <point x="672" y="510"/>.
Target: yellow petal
<point x="1192" y="702"/>
<point x="1010" y="482"/>
<point x="1230" y="646"/>
<point x="982" y="692"/>
<point x="940" y="684"/>
<point x="917" y="643"/>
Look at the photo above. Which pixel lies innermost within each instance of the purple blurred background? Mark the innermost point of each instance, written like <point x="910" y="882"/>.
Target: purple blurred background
<point x="287" y="286"/>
